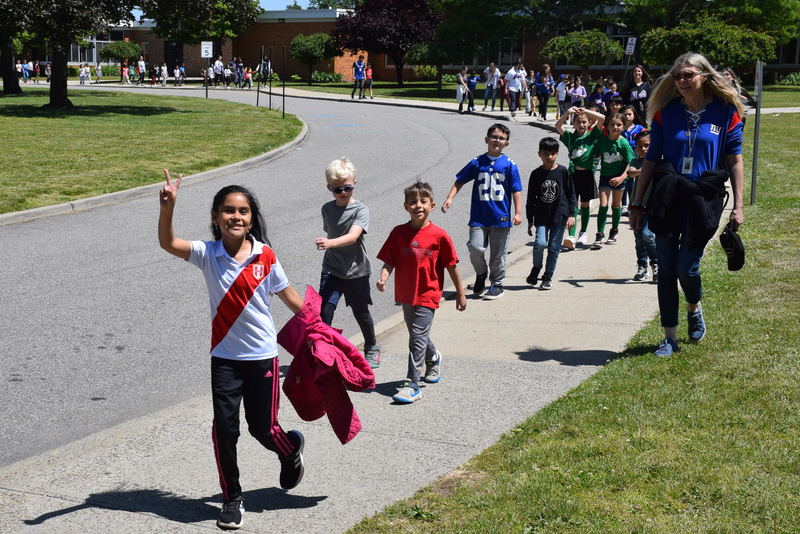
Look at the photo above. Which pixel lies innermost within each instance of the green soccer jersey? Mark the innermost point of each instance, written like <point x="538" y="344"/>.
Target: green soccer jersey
<point x="580" y="147"/>
<point x="614" y="156"/>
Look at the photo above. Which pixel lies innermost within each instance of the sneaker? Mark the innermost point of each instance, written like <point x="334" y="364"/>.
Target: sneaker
<point x="569" y="242"/>
<point x="667" y="348"/>
<point x="408" y="393"/>
<point x="546" y="284"/>
<point x="697" y="325"/>
<point x="373" y="356"/>
<point x="654" y="267"/>
<point x="641" y="273"/>
<point x="433" y="370"/>
<point x="495" y="292"/>
<point x="625" y="210"/>
<point x="534" y="276"/>
<point x="598" y="240"/>
<point x="484" y="108"/>
<point x="230" y="517"/>
<point x="492" y="109"/>
<point x="479" y="285"/>
<point x="292" y="468"/>
<point x="583" y="239"/>
<point x="612" y="236"/>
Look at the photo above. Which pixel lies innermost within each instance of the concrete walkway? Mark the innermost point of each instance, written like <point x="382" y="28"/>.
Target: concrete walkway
<point x="503" y="360"/>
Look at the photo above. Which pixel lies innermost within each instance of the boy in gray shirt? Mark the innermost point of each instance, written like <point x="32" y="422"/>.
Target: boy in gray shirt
<point x="345" y="266"/>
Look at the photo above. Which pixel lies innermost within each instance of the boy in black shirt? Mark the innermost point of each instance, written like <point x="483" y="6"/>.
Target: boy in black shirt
<point x="551" y="202"/>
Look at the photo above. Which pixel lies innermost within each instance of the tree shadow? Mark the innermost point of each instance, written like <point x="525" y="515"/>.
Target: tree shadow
<point x="577" y="282"/>
<point x="568" y="357"/>
<point x="179" y="508"/>
<point x="35" y="111"/>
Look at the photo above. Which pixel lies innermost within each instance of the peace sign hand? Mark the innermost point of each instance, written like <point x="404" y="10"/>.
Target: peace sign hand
<point x="169" y="193"/>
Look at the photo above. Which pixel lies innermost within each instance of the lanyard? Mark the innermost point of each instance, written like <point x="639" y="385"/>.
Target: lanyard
<point x="692" y="128"/>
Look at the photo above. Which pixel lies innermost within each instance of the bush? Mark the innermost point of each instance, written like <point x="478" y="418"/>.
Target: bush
<point x="790" y="79"/>
<point x="295" y="78"/>
<point x="257" y="77"/>
<point x="326" y="77"/>
<point x="426" y="73"/>
<point x="111" y="70"/>
<point x="448" y="78"/>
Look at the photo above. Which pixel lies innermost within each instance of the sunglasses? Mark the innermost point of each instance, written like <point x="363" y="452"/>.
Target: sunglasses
<point x="341" y="189"/>
<point x="686" y="75"/>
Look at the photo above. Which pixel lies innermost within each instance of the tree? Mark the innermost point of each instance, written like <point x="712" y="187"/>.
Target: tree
<point x="388" y="27"/>
<point x="120" y="51"/>
<point x="531" y="18"/>
<point x="63" y="22"/>
<point x="311" y="49"/>
<point x="584" y="48"/>
<point x="719" y="42"/>
<point x="294" y="5"/>
<point x="332" y="4"/>
<point x="192" y="21"/>
<point x="15" y="18"/>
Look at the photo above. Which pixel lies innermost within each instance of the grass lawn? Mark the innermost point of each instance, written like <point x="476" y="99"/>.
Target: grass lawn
<point x="780" y="96"/>
<point x="706" y="441"/>
<point x="115" y="141"/>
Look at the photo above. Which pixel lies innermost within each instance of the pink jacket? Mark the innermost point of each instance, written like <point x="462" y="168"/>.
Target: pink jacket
<point x="325" y="366"/>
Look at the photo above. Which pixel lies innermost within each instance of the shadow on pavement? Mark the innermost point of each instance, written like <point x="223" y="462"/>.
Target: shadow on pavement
<point x="181" y="509"/>
<point x="568" y="357"/>
<point x="581" y="282"/>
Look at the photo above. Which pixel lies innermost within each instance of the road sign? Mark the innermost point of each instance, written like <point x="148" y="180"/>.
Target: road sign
<point x="630" y="46"/>
<point x="206" y="49"/>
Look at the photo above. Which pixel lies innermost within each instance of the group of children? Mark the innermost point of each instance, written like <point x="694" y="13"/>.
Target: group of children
<point x="242" y="272"/>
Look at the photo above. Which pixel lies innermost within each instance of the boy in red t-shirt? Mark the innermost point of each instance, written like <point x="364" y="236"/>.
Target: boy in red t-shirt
<point x="419" y="251"/>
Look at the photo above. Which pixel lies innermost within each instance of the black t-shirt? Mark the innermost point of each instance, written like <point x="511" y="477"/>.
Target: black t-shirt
<point x="551" y="196"/>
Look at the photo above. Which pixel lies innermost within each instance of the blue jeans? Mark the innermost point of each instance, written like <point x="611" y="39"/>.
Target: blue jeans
<point x="677" y="262"/>
<point x="548" y="237"/>
<point x="645" y="245"/>
<point x="489" y="91"/>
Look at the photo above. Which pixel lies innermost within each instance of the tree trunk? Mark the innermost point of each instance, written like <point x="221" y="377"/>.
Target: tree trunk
<point x="58" y="80"/>
<point x="9" y="73"/>
<point x="439" y="79"/>
<point x="398" y="69"/>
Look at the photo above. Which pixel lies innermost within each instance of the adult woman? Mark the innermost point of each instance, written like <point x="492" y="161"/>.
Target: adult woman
<point x="732" y="79"/>
<point x="544" y="89"/>
<point x="492" y="74"/>
<point x="637" y="90"/>
<point x="696" y="127"/>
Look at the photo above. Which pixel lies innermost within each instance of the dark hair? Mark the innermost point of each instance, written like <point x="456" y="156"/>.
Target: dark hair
<point x="612" y="116"/>
<point x="548" y="144"/>
<point x="636" y="118"/>
<point x="596" y="87"/>
<point x="257" y="229"/>
<point x="642" y="135"/>
<point x="497" y="126"/>
<point x="418" y="189"/>
<point x="616" y="99"/>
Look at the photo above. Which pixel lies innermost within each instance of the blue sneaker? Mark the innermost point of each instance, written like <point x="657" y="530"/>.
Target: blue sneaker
<point x="408" y="393"/>
<point x="667" y="347"/>
<point x="433" y="369"/>
<point x="495" y="292"/>
<point x="697" y="325"/>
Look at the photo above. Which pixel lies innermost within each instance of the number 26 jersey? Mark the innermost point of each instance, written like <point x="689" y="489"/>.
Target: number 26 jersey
<point x="495" y="182"/>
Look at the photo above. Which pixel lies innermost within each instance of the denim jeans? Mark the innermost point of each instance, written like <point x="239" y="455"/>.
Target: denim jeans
<point x="489" y="91"/>
<point x="645" y="245"/>
<point x="547" y="237"/>
<point x="496" y="240"/>
<point x="677" y="263"/>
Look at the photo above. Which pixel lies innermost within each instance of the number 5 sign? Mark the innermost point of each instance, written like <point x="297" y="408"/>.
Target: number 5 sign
<point x="206" y="49"/>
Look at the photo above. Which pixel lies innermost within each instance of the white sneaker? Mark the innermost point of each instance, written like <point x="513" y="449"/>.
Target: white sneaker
<point x="569" y="242"/>
<point x="583" y="239"/>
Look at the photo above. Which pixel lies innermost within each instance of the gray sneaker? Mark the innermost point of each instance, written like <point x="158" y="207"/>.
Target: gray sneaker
<point x="495" y="292"/>
<point x="433" y="369"/>
<point x="373" y="356"/>
<point x="408" y="393"/>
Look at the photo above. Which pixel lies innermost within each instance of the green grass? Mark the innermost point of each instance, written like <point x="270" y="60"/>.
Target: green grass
<point x="777" y="96"/>
<point x="706" y="441"/>
<point x="115" y="141"/>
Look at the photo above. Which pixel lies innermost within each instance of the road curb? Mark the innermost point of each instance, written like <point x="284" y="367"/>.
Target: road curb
<point x="108" y="199"/>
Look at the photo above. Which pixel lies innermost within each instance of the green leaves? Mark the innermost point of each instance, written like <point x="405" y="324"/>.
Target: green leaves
<point x="591" y="47"/>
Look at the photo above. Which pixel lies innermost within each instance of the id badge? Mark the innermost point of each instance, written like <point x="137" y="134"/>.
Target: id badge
<point x="688" y="162"/>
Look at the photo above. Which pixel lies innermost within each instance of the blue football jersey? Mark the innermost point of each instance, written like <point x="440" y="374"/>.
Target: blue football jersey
<point x="495" y="182"/>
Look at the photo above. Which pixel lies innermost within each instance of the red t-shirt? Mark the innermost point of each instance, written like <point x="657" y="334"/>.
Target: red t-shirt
<point x="419" y="258"/>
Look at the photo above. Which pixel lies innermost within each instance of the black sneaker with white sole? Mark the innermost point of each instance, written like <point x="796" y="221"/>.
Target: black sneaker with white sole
<point x="292" y="468"/>
<point x="612" y="236"/>
<point x="480" y="284"/>
<point x="230" y="517"/>
<point x="598" y="241"/>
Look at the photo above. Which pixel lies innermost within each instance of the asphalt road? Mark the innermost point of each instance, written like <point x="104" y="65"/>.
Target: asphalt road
<point x="99" y="325"/>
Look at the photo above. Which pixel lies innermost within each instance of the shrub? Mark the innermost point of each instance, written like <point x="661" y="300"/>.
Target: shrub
<point x="425" y="73"/>
<point x="111" y="70"/>
<point x="326" y="77"/>
<point x="448" y="78"/>
<point x="295" y="78"/>
<point x="792" y="78"/>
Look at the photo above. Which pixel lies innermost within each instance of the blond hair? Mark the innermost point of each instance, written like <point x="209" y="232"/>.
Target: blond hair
<point x="340" y="169"/>
<point x="715" y="85"/>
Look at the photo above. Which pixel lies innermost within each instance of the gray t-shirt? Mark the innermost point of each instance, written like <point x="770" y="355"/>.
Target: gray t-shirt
<point x="350" y="261"/>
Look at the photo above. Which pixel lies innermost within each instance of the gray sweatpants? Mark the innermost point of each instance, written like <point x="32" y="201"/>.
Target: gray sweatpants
<point x="419" y="320"/>
<point x="496" y="240"/>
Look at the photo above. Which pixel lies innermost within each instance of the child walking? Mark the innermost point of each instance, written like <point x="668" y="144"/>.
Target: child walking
<point x="579" y="143"/>
<point x="241" y="274"/>
<point x="345" y="266"/>
<point x="419" y="252"/>
<point x="496" y="182"/>
<point x="616" y="154"/>
<point x="644" y="238"/>
<point x="550" y="207"/>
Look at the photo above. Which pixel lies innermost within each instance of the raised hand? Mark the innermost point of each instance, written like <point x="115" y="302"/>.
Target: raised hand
<point x="169" y="193"/>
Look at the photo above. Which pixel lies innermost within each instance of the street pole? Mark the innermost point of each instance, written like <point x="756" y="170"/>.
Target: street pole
<point x="269" y="71"/>
<point x="283" y="102"/>
<point x="261" y="68"/>
<point x="205" y="75"/>
<point x="758" y="90"/>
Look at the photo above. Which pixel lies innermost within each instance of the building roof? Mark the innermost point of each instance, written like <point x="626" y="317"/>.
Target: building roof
<point x="302" y="15"/>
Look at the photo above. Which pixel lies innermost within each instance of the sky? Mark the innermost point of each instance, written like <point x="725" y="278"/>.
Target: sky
<point x="271" y="5"/>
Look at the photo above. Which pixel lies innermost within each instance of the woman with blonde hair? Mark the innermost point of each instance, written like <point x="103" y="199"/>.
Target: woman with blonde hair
<point x="696" y="141"/>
